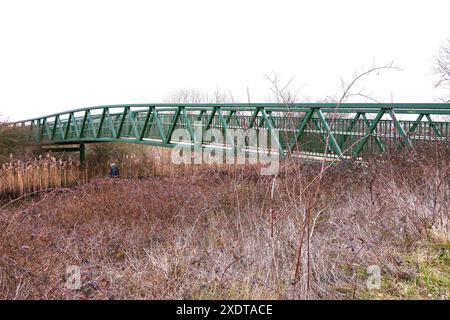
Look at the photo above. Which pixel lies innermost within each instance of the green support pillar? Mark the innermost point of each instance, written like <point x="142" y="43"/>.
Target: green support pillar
<point x="82" y="153"/>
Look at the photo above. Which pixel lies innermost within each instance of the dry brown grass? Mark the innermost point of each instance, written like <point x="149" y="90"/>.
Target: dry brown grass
<point x="227" y="233"/>
<point x="134" y="161"/>
<point x="22" y="177"/>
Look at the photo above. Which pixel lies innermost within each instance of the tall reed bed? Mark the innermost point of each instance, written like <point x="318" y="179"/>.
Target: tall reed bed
<point x="156" y="163"/>
<point x="134" y="161"/>
<point x="27" y="176"/>
<point x="19" y="177"/>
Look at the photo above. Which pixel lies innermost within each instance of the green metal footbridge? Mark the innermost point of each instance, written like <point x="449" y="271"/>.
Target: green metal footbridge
<point x="326" y="130"/>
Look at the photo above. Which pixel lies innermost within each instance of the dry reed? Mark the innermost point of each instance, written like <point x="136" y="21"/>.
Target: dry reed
<point x="18" y="177"/>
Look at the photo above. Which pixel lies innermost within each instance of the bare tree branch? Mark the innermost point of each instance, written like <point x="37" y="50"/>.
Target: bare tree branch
<point x="442" y="66"/>
<point x="193" y="95"/>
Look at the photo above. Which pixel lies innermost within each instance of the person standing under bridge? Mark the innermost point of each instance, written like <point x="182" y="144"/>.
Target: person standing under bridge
<point x="115" y="173"/>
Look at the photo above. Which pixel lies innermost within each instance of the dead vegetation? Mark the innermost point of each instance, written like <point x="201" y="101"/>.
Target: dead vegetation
<point x="230" y="233"/>
<point x="19" y="177"/>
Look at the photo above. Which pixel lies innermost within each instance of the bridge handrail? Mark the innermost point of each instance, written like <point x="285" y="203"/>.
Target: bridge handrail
<point x="413" y="108"/>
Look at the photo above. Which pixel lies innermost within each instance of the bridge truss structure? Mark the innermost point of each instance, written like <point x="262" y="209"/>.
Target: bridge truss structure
<point x="321" y="130"/>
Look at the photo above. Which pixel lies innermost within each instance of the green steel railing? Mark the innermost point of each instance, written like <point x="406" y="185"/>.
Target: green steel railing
<point x="347" y="130"/>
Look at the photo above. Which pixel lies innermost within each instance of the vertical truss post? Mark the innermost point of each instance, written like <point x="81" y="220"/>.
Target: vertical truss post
<point x="122" y="122"/>
<point x="415" y="124"/>
<point x="400" y="129"/>
<point x="189" y="125"/>
<point x="349" y="129"/>
<point x="270" y="127"/>
<point x="228" y="137"/>
<point x="45" y="129"/>
<point x="302" y="128"/>
<point x="111" y="124"/>
<point x="230" y="115"/>
<point x="91" y="124"/>
<point x="66" y="134"/>
<point x="146" y="123"/>
<point x="233" y="114"/>
<point x="323" y="138"/>
<point x="60" y="126"/>
<point x="359" y="147"/>
<point x="433" y="126"/>
<point x="211" y="118"/>
<point x="159" y="125"/>
<point x="134" y="126"/>
<point x="377" y="139"/>
<point x="55" y="125"/>
<point x="225" y="127"/>
<point x="100" y="126"/>
<point x="75" y="126"/>
<point x="332" y="139"/>
<point x="83" y="124"/>
<point x="268" y="117"/>
<point x="173" y="125"/>
<point x="200" y="116"/>
<point x="254" y="116"/>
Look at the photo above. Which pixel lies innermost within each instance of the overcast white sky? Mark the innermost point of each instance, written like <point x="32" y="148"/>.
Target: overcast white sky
<point x="59" y="55"/>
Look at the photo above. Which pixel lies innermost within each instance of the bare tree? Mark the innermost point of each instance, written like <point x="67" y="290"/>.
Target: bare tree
<point x="282" y="92"/>
<point x="194" y="95"/>
<point x="442" y="68"/>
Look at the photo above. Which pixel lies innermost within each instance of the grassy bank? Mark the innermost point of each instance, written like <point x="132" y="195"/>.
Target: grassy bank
<point x="233" y="234"/>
